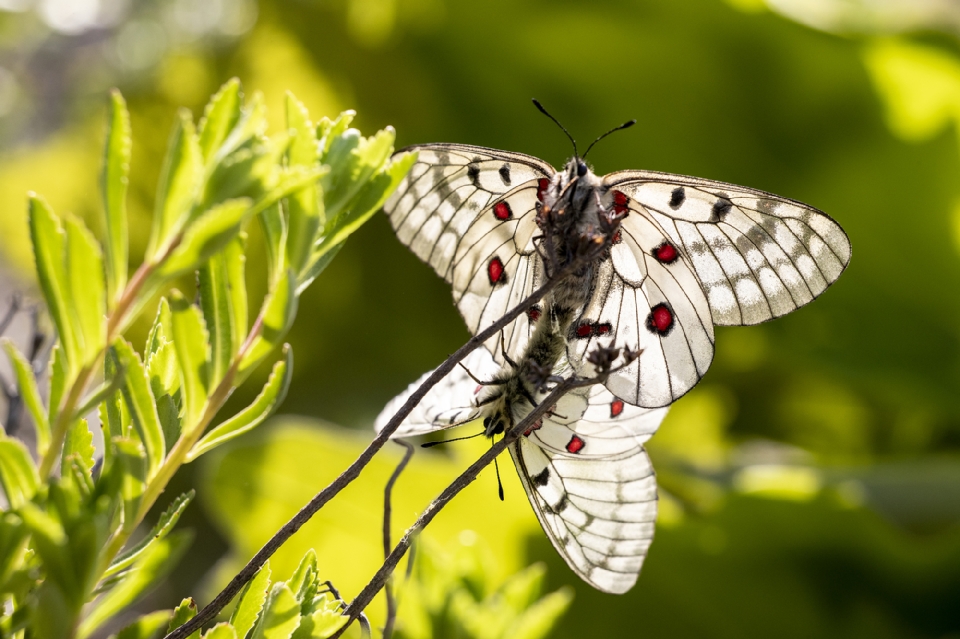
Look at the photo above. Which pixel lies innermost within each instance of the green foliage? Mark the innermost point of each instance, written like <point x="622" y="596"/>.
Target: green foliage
<point x="66" y="566"/>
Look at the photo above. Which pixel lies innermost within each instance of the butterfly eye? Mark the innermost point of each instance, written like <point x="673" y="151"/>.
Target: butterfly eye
<point x="581" y="168"/>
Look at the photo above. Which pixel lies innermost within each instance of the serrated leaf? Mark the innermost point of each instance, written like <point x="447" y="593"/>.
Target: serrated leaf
<point x="219" y="118"/>
<point x="328" y="130"/>
<point x="164" y="371"/>
<point x="140" y="403"/>
<point x="154" y="564"/>
<point x="353" y="159"/>
<point x="281" y="614"/>
<point x="49" y="242"/>
<point x="86" y="288"/>
<point x="272" y="395"/>
<point x="29" y="393"/>
<point x="221" y="631"/>
<point x="234" y="258"/>
<point x="304" y="207"/>
<point x="161" y="529"/>
<point x="369" y="198"/>
<point x="168" y="410"/>
<point x="58" y="379"/>
<point x="179" y="185"/>
<point x="250" y="602"/>
<point x="18" y="475"/>
<point x="113" y="184"/>
<point x="280" y="309"/>
<point x="251" y="125"/>
<point x="160" y="331"/>
<point x="148" y="626"/>
<point x="320" y="624"/>
<point x="183" y="613"/>
<point x="274" y="225"/>
<point x="205" y="236"/>
<point x="133" y="461"/>
<point x="304" y="574"/>
<point x="78" y="445"/>
<point x="213" y="284"/>
<point x="193" y="352"/>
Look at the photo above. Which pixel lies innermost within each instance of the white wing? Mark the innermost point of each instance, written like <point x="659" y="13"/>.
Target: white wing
<point x="449" y="403"/>
<point x="470" y="213"/>
<point x="592" y="486"/>
<point x="757" y="255"/>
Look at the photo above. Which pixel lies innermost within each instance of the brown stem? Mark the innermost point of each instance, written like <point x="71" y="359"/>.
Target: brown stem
<point x="387" y="512"/>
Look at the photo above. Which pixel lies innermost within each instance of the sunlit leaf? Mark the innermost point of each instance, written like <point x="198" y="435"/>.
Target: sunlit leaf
<point x="273" y="393"/>
<point x="114" y="179"/>
<point x="183" y="613"/>
<point x="205" y="236"/>
<point x="217" y="304"/>
<point x="280" y="309"/>
<point x="221" y="631"/>
<point x="250" y="602"/>
<point x="78" y="445"/>
<point x="58" y="378"/>
<point x="86" y="288"/>
<point x="160" y="530"/>
<point x="353" y="159"/>
<point x="219" y="118"/>
<point x="18" y="475"/>
<point x="281" y="614"/>
<point x="321" y="624"/>
<point x="193" y="352"/>
<point x="148" y="626"/>
<point x="179" y="185"/>
<point x="140" y="402"/>
<point x="133" y="462"/>
<point x="27" y="386"/>
<point x="304" y="207"/>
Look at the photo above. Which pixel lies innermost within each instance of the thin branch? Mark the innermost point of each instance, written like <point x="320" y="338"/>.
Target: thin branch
<point x="353" y="471"/>
<point x="387" y="511"/>
<point x="378" y="581"/>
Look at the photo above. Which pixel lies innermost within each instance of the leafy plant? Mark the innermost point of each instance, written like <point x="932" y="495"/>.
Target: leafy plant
<point x="66" y="564"/>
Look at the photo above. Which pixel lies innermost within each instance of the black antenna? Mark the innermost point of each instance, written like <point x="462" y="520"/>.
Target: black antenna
<point x="496" y="466"/>
<point x="625" y="125"/>
<point x="557" y="122"/>
<point x="447" y="441"/>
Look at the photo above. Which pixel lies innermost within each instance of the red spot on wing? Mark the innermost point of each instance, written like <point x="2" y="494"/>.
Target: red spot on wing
<point x="620" y="201"/>
<point x="602" y="329"/>
<point x="666" y="253"/>
<point x="495" y="271"/>
<point x="575" y="445"/>
<point x="534" y="313"/>
<point x="660" y="319"/>
<point x="616" y="407"/>
<point x="502" y="211"/>
<point x="584" y="330"/>
<point x="542" y="185"/>
<point x="535" y="426"/>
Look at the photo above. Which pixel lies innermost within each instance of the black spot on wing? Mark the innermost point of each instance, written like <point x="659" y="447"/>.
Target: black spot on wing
<point x="473" y="172"/>
<point x="542" y="478"/>
<point x="677" y="197"/>
<point x="505" y="174"/>
<point x="720" y="208"/>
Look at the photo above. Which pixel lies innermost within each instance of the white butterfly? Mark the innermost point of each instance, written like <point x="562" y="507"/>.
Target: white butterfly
<point x="583" y="466"/>
<point x="690" y="253"/>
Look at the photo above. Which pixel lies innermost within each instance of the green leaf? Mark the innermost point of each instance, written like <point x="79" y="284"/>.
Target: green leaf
<point x="27" y="385"/>
<point x="160" y="332"/>
<point x="321" y="624"/>
<point x="539" y="619"/>
<point x="168" y="410"/>
<point x="183" y="613"/>
<point x="52" y="616"/>
<point x="273" y="393"/>
<point x="328" y="130"/>
<point x="113" y="184"/>
<point x="154" y="564"/>
<point x="178" y="188"/>
<point x="234" y="256"/>
<point x="146" y="627"/>
<point x="193" y="352"/>
<point x="304" y="207"/>
<point x="251" y="125"/>
<point x="160" y="530"/>
<point x="304" y="575"/>
<point x="274" y="225"/>
<point x="250" y="602"/>
<point x="368" y="201"/>
<point x="281" y="614"/>
<point x="219" y="118"/>
<point x="317" y="265"/>
<point x="12" y="535"/>
<point x="48" y="240"/>
<point x="86" y="290"/>
<point x="58" y="379"/>
<point x="353" y="159"/>
<point x="78" y="445"/>
<point x="50" y="543"/>
<point x="164" y="371"/>
<point x="205" y="236"/>
<point x="218" y="306"/>
<point x="133" y="461"/>
<point x="280" y="309"/>
<point x="18" y="475"/>
<point x="221" y="631"/>
<point x="140" y="402"/>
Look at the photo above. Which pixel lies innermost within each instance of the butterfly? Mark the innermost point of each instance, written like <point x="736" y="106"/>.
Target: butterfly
<point x="582" y="465"/>
<point x="689" y="254"/>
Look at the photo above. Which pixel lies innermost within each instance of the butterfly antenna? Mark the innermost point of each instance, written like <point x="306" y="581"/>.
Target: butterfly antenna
<point x="557" y="122"/>
<point x="625" y="125"/>
<point x="496" y="467"/>
<point x="447" y="441"/>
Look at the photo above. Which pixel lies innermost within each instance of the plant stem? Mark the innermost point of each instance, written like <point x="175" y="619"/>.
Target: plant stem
<point x="387" y="512"/>
<point x="353" y="471"/>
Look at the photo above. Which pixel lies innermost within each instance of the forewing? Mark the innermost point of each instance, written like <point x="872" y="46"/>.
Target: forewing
<point x="449" y="403"/>
<point x="757" y="255"/>
<point x="592" y="486"/>
<point x="647" y="298"/>
<point x="470" y="213"/>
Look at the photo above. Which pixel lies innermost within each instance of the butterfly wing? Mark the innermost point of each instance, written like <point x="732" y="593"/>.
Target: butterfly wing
<point x="449" y="403"/>
<point x="592" y="486"/>
<point x="757" y="255"/>
<point x="470" y="213"/>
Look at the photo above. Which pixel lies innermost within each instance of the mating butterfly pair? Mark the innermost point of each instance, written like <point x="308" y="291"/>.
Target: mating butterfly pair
<point x="689" y="253"/>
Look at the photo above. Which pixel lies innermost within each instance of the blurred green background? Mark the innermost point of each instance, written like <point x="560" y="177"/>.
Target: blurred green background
<point x="810" y="484"/>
